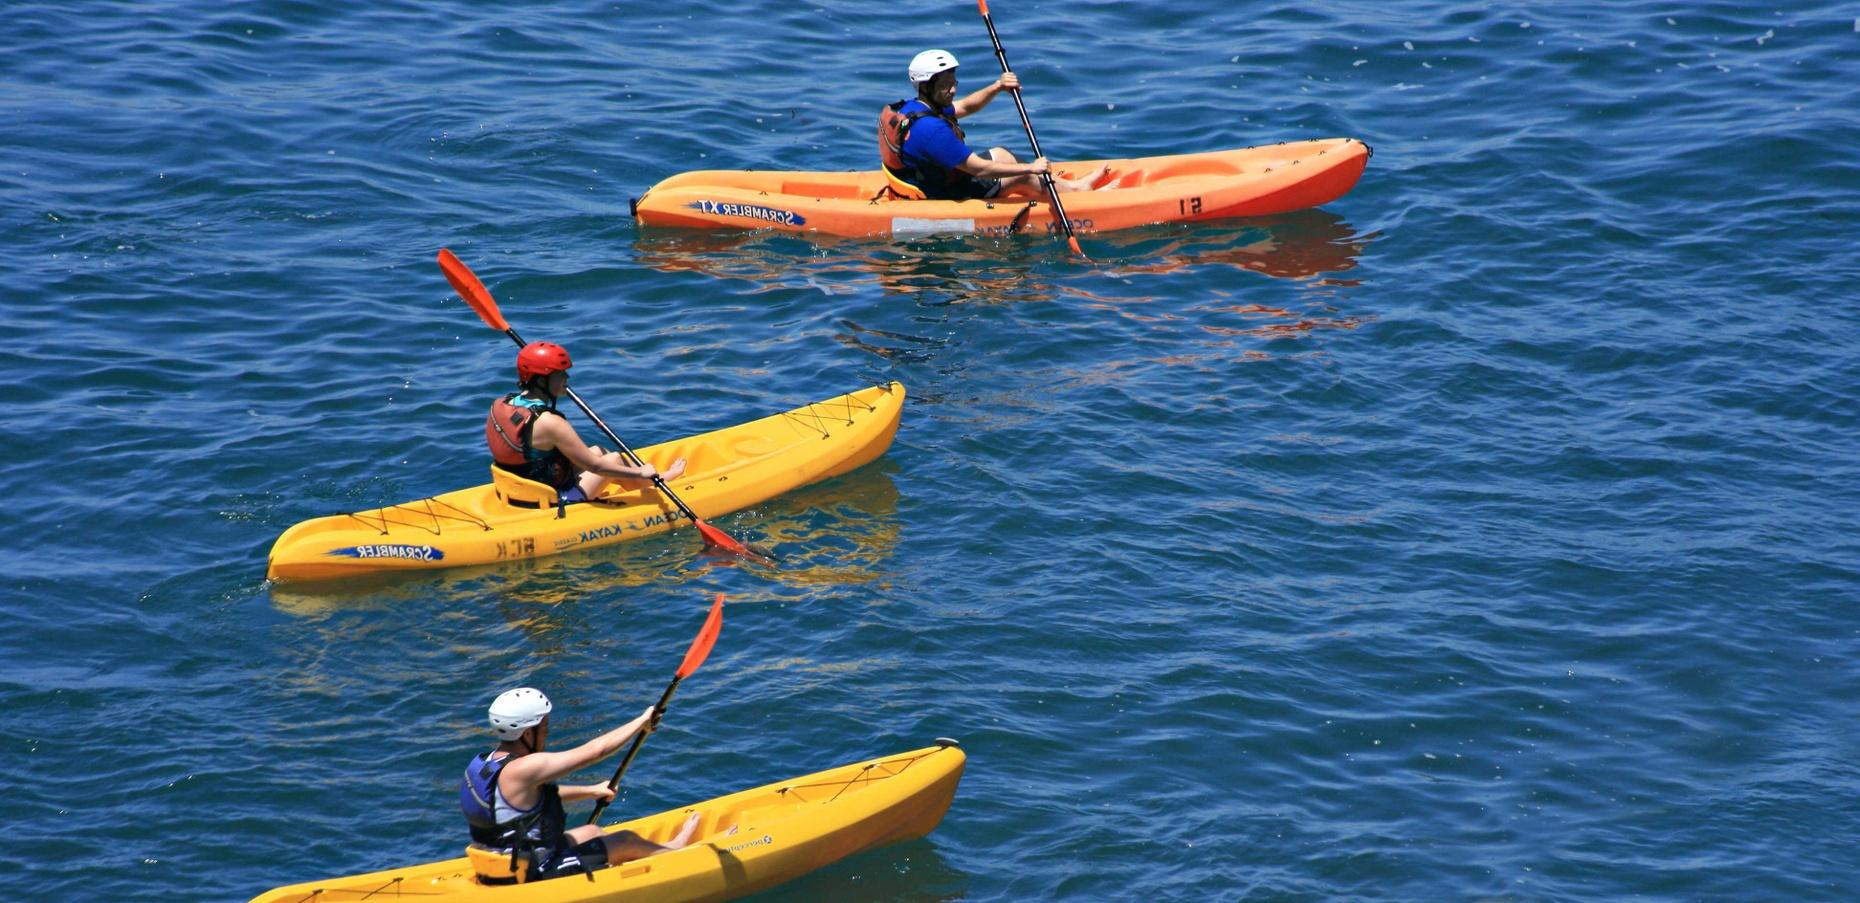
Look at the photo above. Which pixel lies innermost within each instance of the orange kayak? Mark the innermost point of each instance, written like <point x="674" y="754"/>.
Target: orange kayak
<point x="1141" y="191"/>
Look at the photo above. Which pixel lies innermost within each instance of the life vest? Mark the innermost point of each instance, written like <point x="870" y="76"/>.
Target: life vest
<point x="906" y="179"/>
<point x="507" y="431"/>
<point x="539" y="828"/>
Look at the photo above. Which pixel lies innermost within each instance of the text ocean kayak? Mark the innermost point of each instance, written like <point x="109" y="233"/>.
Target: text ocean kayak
<point x="512" y="518"/>
<point x="1253" y="181"/>
<point x="781" y="831"/>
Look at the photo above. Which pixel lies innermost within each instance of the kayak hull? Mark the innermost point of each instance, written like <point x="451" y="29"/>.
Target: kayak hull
<point x="780" y="832"/>
<point x="511" y="519"/>
<point x="1141" y="191"/>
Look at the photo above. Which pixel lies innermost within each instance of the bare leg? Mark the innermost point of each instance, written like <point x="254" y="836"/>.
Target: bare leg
<point x="626" y="846"/>
<point x="1015" y="186"/>
<point x="591" y="484"/>
<point x="685" y="832"/>
<point x="1034" y="186"/>
<point x="1089" y="183"/>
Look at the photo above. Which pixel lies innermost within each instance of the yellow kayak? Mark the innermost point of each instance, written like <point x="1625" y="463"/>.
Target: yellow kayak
<point x="511" y="518"/>
<point x="746" y="842"/>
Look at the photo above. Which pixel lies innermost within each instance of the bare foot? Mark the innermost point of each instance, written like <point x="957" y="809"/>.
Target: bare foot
<point x="1099" y="176"/>
<point x="1116" y="182"/>
<point x="1089" y="183"/>
<point x="684" y="833"/>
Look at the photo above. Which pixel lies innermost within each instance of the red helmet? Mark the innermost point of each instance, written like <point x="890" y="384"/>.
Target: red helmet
<point x="540" y="359"/>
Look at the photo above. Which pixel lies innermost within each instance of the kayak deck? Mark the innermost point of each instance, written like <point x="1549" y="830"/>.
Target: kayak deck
<point x="511" y="519"/>
<point x="746" y="841"/>
<point x="1140" y="191"/>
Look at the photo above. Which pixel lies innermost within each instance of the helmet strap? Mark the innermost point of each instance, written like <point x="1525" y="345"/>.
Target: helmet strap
<point x="539" y="386"/>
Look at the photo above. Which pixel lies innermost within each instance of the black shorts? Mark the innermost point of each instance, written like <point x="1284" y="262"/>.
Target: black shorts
<point x="967" y="187"/>
<point x="584" y="857"/>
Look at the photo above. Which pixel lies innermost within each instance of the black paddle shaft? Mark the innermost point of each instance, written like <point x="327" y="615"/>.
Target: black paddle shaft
<point x="606" y="430"/>
<point x="644" y="729"/>
<point x="1052" y="190"/>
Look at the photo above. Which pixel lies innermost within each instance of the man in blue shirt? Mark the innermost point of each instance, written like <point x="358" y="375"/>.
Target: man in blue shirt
<point x="922" y="147"/>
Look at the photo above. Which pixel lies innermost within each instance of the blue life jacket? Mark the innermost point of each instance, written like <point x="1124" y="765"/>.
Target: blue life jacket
<point x="539" y="827"/>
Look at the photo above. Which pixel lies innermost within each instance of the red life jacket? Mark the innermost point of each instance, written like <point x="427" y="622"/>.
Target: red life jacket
<point x="892" y="128"/>
<point x="507" y="431"/>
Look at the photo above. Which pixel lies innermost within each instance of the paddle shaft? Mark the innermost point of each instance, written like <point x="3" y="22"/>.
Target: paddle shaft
<point x="615" y="439"/>
<point x="613" y="783"/>
<point x="1046" y="178"/>
<point x="472" y="289"/>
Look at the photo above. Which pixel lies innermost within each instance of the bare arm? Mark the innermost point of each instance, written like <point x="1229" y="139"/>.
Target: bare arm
<point x="573" y="792"/>
<point x="984" y="168"/>
<point x="521" y="777"/>
<point x="980" y="99"/>
<point x="556" y="433"/>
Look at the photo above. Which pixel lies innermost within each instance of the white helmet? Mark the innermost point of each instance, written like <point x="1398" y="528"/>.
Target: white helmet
<point x="518" y="710"/>
<point x="927" y="64"/>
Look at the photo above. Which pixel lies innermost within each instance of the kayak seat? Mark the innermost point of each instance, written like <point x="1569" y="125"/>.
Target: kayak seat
<point x="899" y="188"/>
<point x="493" y="866"/>
<point x="522" y="492"/>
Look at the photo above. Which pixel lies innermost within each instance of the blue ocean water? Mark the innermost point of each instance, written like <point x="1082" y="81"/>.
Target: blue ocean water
<point x="1488" y="533"/>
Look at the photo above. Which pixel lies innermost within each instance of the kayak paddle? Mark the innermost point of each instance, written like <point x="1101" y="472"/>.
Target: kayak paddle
<point x="475" y="294"/>
<point x="700" y="648"/>
<point x="1046" y="178"/>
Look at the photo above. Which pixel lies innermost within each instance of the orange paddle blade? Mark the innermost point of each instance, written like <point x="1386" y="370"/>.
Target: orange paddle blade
<point x="984" y="5"/>
<point x="466" y="283"/>
<point x="1074" y="242"/>
<point x="720" y="539"/>
<point x="706" y="638"/>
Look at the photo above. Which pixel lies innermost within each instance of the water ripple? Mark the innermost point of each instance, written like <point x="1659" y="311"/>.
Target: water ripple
<point x="1484" y="534"/>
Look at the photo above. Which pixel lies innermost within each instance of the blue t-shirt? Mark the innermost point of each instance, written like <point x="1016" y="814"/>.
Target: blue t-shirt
<point x="931" y="140"/>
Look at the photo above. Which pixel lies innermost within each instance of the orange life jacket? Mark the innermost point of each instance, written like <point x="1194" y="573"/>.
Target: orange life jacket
<point x="907" y="180"/>
<point x="507" y="431"/>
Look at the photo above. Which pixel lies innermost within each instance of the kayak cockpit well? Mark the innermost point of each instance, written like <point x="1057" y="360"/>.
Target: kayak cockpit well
<point x="1189" y="168"/>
